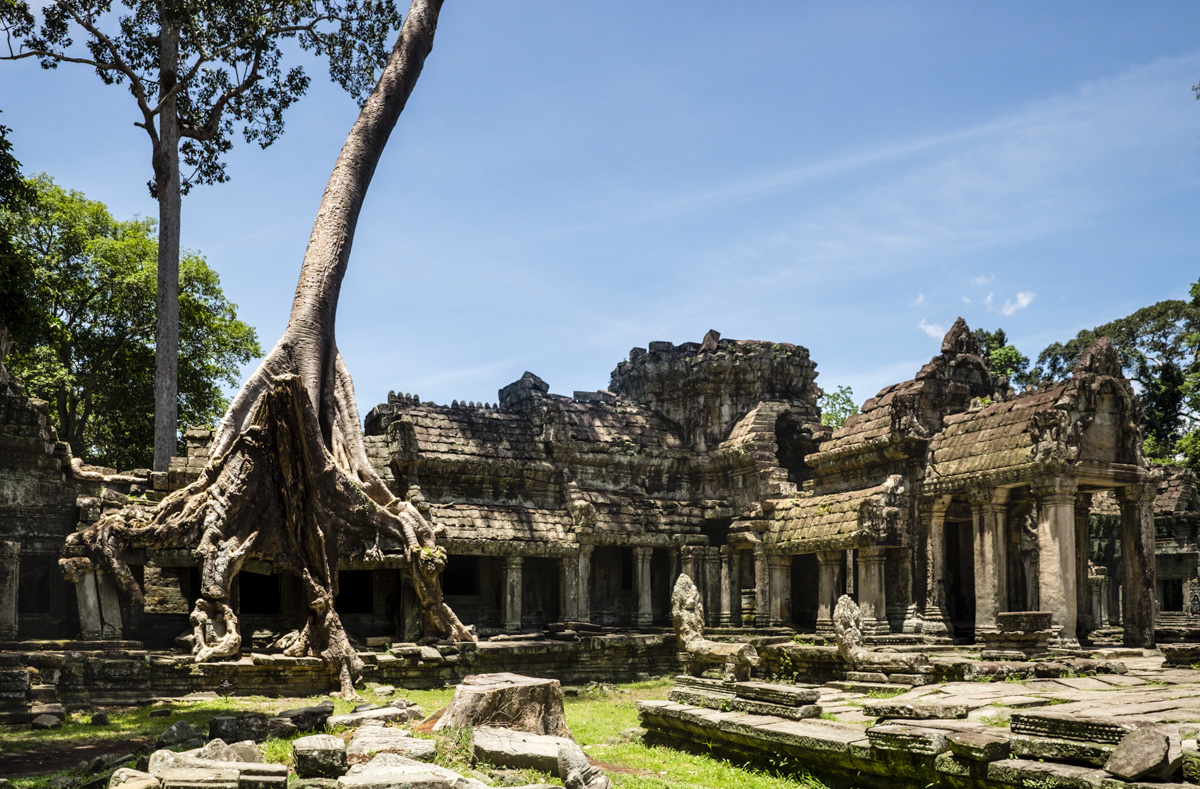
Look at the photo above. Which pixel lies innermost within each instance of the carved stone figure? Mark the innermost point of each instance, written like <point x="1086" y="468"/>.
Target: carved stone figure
<point x="696" y="652"/>
<point x="847" y="628"/>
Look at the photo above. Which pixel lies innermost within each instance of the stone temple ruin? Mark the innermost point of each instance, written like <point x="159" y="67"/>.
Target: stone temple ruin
<point x="947" y="502"/>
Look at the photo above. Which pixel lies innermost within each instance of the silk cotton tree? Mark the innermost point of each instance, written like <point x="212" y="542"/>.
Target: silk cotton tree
<point x="288" y="481"/>
<point x="198" y="73"/>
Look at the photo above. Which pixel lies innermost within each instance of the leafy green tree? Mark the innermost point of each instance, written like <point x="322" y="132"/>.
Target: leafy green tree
<point x="16" y="269"/>
<point x="90" y="350"/>
<point x="837" y="406"/>
<point x="199" y="72"/>
<point x="1002" y="358"/>
<point x="1159" y="347"/>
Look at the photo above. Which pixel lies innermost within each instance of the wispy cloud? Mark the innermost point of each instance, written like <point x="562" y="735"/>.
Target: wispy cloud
<point x="1023" y="300"/>
<point x="932" y="329"/>
<point x="920" y="299"/>
<point x="966" y="299"/>
<point x="987" y="302"/>
<point x="1039" y="170"/>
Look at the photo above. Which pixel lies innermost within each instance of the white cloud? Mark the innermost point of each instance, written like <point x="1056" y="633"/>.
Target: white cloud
<point x="988" y="301"/>
<point x="1023" y="300"/>
<point x="920" y="299"/>
<point x="966" y="300"/>
<point x="932" y="329"/>
<point x="982" y="279"/>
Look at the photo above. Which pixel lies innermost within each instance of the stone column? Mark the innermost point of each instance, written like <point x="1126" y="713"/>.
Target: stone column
<point x="673" y="566"/>
<point x="99" y="606"/>
<point x="712" y="586"/>
<point x="691" y="557"/>
<point x="830" y="567"/>
<point x="936" y="619"/>
<point x="1137" y="563"/>
<point x="762" y="587"/>
<point x="513" y="587"/>
<point x="1056" y="554"/>
<point x="569" y="588"/>
<point x="10" y="575"/>
<point x="781" y="589"/>
<point x="644" y="617"/>
<point x="585" y="582"/>
<point x="872" y="594"/>
<point x="1086" y="619"/>
<point x="991" y="556"/>
<point x="731" y="588"/>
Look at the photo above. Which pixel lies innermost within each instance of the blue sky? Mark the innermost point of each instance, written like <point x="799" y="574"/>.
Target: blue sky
<point x="571" y="180"/>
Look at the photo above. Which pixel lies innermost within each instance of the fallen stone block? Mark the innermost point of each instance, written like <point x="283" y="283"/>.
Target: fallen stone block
<point x="914" y="710"/>
<point x="307" y="718"/>
<point x="55" y="709"/>
<point x="516" y="749"/>
<point x="576" y="771"/>
<point x="375" y="717"/>
<point x="508" y="700"/>
<point x="178" y="733"/>
<point x="910" y="739"/>
<point x="1070" y="727"/>
<point x="978" y="746"/>
<point x="251" y="726"/>
<point x="127" y="778"/>
<point x="371" y="740"/>
<point x="1094" y="754"/>
<point x="1022" y="772"/>
<point x="198" y="778"/>
<point x="320" y="756"/>
<point x="391" y="771"/>
<point x="1139" y="753"/>
<point x="47" y="722"/>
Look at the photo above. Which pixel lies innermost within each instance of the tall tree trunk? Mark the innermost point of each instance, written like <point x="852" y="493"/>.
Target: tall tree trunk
<point x="289" y="481"/>
<point x="166" y="179"/>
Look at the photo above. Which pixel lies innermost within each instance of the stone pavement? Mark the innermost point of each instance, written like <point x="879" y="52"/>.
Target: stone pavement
<point x="1036" y="732"/>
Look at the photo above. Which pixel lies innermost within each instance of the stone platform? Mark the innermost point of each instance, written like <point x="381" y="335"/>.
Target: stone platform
<point x="1043" y="733"/>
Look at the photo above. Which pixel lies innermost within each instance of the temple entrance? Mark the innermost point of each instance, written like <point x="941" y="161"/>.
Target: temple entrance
<point x="805" y="575"/>
<point x="960" y="573"/>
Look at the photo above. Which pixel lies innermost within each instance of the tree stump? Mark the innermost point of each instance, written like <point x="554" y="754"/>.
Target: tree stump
<point x="509" y="701"/>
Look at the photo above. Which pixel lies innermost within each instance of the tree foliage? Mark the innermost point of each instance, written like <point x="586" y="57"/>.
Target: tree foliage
<point x="16" y="269"/>
<point x="230" y="75"/>
<point x="837" y="407"/>
<point x="1159" y="347"/>
<point x="1002" y="358"/>
<point x="89" y="350"/>
<point x="198" y="72"/>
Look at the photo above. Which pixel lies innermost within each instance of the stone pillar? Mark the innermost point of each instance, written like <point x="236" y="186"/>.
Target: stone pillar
<point x="991" y="556"/>
<point x="935" y="622"/>
<point x="644" y="617"/>
<point x="872" y="594"/>
<point x="762" y="587"/>
<point x="691" y="557"/>
<point x="1056" y="554"/>
<point x="513" y="587"/>
<point x="712" y="586"/>
<point x="781" y="589"/>
<point x="1087" y="621"/>
<point x="731" y="588"/>
<point x="673" y="566"/>
<point x="99" y="606"/>
<point x="569" y="588"/>
<point x="1137" y="563"/>
<point x="830" y="567"/>
<point x="10" y="576"/>
<point x="585" y="582"/>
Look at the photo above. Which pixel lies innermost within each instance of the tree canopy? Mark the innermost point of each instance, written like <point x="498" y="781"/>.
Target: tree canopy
<point x="837" y="406"/>
<point x="89" y="347"/>
<point x="16" y="269"/>
<point x="199" y="72"/>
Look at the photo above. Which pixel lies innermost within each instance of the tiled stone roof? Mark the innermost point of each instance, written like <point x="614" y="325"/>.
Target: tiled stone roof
<point x="837" y="521"/>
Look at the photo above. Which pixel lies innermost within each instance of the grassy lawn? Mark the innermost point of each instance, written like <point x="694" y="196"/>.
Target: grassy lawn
<point x="596" y="717"/>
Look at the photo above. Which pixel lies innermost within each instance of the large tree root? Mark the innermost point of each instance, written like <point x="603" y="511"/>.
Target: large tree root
<point x="276" y="494"/>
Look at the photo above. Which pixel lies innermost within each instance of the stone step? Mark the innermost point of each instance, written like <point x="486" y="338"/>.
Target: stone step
<point x="44" y="694"/>
<point x="867" y="687"/>
<point x="786" y="695"/>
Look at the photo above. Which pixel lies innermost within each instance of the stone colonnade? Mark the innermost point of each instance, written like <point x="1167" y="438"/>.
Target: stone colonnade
<point x="1063" y="584"/>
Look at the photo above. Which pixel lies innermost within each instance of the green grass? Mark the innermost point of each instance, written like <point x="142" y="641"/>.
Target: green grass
<point x="596" y="717"/>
